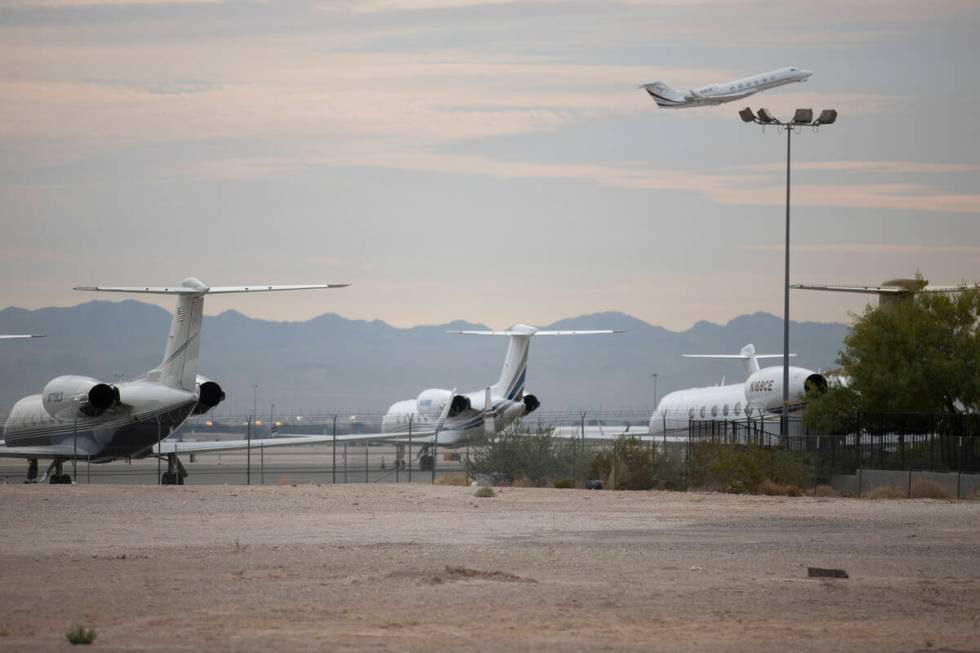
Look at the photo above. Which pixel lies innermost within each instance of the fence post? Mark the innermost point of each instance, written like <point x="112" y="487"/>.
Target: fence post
<point x="261" y="464"/>
<point x="367" y="464"/>
<point x="248" y="454"/>
<point x="410" y="418"/>
<point x="333" y="474"/>
<point x="345" y="462"/>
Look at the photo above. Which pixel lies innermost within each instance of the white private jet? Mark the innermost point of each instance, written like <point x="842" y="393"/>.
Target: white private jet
<point x="892" y="291"/>
<point x="711" y="94"/>
<point x="456" y="418"/>
<point x="82" y="418"/>
<point x="18" y="337"/>
<point x="761" y="394"/>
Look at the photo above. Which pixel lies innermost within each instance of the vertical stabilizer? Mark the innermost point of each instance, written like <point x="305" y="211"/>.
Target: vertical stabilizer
<point x="749" y="360"/>
<point x="180" y="359"/>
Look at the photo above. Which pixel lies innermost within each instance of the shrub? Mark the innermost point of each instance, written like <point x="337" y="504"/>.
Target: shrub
<point x="926" y="489"/>
<point x="531" y="457"/>
<point x="485" y="493"/>
<point x="80" y="635"/>
<point x="886" y="492"/>
<point x="565" y="483"/>
<point x="451" y="479"/>
<point x="825" y="491"/>
<point x="629" y="465"/>
<point x="772" y="489"/>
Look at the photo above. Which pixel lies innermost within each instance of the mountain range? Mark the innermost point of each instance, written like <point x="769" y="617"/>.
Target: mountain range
<point x="333" y="364"/>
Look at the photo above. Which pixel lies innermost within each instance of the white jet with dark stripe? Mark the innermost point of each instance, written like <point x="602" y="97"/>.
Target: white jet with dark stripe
<point x="83" y="418"/>
<point x="458" y="417"/>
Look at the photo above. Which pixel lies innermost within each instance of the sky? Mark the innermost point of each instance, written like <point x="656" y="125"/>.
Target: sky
<point x="483" y="160"/>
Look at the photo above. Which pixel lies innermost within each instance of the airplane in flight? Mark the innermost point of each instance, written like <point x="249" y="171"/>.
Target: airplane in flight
<point x="83" y="418"/>
<point x="18" y="336"/>
<point x="892" y="291"/>
<point x="711" y="94"/>
<point x="455" y="418"/>
<point x="760" y="395"/>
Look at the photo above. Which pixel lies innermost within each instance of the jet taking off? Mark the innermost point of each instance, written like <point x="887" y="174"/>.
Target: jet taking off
<point x="670" y="98"/>
<point x="458" y="417"/>
<point x="82" y="418"/>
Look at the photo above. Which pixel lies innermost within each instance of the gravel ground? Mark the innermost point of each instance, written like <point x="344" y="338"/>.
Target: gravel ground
<point x="430" y="568"/>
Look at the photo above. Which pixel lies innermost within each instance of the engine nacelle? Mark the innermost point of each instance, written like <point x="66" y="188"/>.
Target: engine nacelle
<point x="432" y="402"/>
<point x="209" y="395"/>
<point x="65" y="396"/>
<point x="531" y="404"/>
<point x="764" y="389"/>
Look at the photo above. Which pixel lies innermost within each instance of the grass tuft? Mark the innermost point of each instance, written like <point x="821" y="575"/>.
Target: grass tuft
<point x="80" y="635"/>
<point x="485" y="493"/>
<point x="451" y="479"/>
<point x="565" y="483"/>
<point x="772" y="489"/>
<point x="825" y="491"/>
<point x="886" y="492"/>
<point x="926" y="489"/>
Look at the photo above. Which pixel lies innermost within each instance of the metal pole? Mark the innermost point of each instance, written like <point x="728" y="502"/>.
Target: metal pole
<point x="655" y="375"/>
<point x="345" y="462"/>
<point x="410" y="419"/>
<point x="261" y="464"/>
<point x="248" y="453"/>
<point x="334" y="472"/>
<point x="74" y="464"/>
<point x="366" y="463"/>
<point x="784" y="421"/>
<point x="159" y="472"/>
<point x="435" y="453"/>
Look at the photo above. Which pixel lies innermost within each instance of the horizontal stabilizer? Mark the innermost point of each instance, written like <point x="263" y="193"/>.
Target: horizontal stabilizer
<point x="204" y="290"/>
<point x="534" y="333"/>
<point x="736" y="356"/>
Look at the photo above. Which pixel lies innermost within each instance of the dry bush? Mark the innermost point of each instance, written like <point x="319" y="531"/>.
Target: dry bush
<point x="564" y="483"/>
<point x="825" y="491"/>
<point x="283" y="480"/>
<point x="451" y="479"/>
<point x="485" y="493"/>
<point x="886" y="492"/>
<point x="926" y="489"/>
<point x="771" y="489"/>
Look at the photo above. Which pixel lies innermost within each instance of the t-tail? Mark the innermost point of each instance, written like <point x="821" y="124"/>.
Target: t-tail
<point x="180" y="359"/>
<point x="750" y="359"/>
<point x="664" y="95"/>
<point x="513" y="375"/>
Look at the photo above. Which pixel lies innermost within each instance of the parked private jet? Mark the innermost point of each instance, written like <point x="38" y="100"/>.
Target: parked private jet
<point x="761" y="394"/>
<point x="464" y="416"/>
<point x="82" y="418"/>
<point x="710" y="94"/>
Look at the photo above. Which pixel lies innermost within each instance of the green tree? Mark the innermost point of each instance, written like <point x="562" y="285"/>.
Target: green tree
<point x="920" y="355"/>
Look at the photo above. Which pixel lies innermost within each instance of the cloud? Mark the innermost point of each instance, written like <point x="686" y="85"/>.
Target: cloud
<point x="866" y="248"/>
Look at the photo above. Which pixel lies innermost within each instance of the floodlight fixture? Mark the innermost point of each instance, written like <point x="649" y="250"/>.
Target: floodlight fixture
<point x="803" y="117"/>
<point x="827" y="117"/>
<point x="747" y="115"/>
<point x="766" y="118"/>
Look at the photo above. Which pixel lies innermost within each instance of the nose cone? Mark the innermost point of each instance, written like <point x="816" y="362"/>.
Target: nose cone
<point x="805" y="74"/>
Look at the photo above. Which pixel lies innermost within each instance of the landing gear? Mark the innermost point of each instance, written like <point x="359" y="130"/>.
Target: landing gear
<point x="399" y="456"/>
<point x="55" y="474"/>
<point x="31" y="471"/>
<point x="175" y="473"/>
<point x="426" y="458"/>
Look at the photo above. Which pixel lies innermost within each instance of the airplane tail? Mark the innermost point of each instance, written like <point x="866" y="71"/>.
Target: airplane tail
<point x="513" y="375"/>
<point x="750" y="359"/>
<point x="663" y="94"/>
<point x="180" y="359"/>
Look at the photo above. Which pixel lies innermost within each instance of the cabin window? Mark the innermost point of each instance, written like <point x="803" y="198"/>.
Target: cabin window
<point x="738" y="408"/>
<point x="725" y="410"/>
<point x="690" y="413"/>
<point x="714" y="411"/>
<point x="703" y="412"/>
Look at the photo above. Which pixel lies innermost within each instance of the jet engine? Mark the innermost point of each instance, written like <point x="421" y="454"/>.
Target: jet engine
<point x="531" y="404"/>
<point x="209" y="395"/>
<point x="431" y="403"/>
<point x="764" y="389"/>
<point x="89" y="397"/>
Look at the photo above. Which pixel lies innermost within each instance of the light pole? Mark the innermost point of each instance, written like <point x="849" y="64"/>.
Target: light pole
<point x="655" y="375"/>
<point x="802" y="117"/>
<point x="255" y="395"/>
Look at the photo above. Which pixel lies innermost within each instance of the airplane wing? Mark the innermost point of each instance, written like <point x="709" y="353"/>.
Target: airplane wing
<point x="957" y="288"/>
<point x="868" y="290"/>
<point x="50" y="451"/>
<point x="208" y="446"/>
<point x="605" y="433"/>
<point x="231" y="289"/>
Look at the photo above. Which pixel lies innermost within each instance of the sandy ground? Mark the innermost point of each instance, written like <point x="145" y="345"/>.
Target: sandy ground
<point x="423" y="568"/>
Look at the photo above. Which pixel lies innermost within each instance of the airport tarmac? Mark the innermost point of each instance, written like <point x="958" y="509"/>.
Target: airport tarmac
<point x="382" y="567"/>
<point x="302" y="464"/>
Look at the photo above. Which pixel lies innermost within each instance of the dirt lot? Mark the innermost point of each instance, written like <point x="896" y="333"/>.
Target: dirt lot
<point x="399" y="568"/>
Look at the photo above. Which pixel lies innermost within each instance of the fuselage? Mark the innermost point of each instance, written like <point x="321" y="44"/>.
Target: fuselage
<point x="148" y="412"/>
<point x="758" y="396"/>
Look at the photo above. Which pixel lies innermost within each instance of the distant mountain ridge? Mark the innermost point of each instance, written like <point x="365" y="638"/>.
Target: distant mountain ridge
<point x="330" y="363"/>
